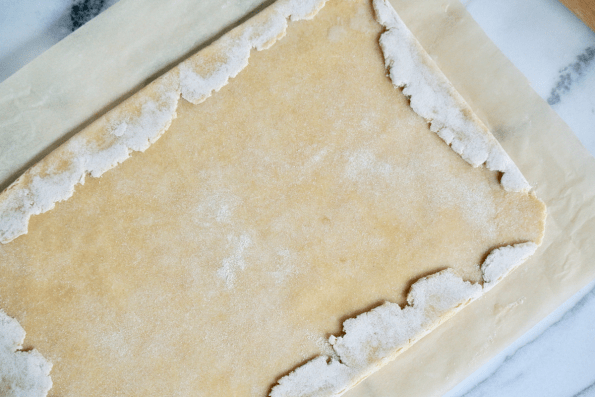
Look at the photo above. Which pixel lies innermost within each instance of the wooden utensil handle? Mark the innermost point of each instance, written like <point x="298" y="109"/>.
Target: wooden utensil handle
<point x="584" y="9"/>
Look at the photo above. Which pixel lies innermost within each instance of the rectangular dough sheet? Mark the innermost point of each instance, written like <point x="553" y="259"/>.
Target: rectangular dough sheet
<point x="333" y="182"/>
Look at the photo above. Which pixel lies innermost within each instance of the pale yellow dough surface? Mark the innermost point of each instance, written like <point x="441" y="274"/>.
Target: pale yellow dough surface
<point x="304" y="192"/>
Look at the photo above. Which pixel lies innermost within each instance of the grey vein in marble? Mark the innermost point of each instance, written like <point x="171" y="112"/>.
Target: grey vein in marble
<point x="588" y="391"/>
<point x="82" y="11"/>
<point x="571" y="74"/>
<point x="30" y="27"/>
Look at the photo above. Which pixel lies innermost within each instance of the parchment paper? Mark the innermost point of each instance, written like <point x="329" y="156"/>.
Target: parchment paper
<point x="95" y="68"/>
<point x="554" y="162"/>
<point x="86" y="74"/>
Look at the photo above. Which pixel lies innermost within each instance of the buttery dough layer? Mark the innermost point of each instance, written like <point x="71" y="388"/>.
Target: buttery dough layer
<point x="304" y="192"/>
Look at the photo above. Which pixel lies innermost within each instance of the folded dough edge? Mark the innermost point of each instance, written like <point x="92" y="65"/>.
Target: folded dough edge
<point x="378" y="336"/>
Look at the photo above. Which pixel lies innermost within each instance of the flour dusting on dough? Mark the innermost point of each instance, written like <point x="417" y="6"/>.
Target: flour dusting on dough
<point x="236" y="261"/>
<point x="285" y="267"/>
<point x="364" y="163"/>
<point x="111" y="139"/>
<point x="434" y="98"/>
<point x="23" y="373"/>
<point x="372" y="338"/>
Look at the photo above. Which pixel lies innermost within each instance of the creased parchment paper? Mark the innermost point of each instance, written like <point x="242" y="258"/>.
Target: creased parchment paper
<point x="437" y="351"/>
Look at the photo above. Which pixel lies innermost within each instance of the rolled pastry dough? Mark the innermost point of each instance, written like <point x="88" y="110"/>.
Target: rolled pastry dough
<point x="305" y="192"/>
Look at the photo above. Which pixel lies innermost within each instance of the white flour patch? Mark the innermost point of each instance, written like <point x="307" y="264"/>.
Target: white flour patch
<point x="216" y="208"/>
<point x="476" y="202"/>
<point x="336" y="33"/>
<point x="224" y="213"/>
<point x="317" y="158"/>
<point x="116" y="342"/>
<point x="311" y="165"/>
<point x="236" y="261"/>
<point x="363" y="164"/>
<point x="22" y="374"/>
<point x="285" y="266"/>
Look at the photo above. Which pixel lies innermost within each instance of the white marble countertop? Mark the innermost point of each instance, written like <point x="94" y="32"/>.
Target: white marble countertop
<point x="553" y="49"/>
<point x="556" y="52"/>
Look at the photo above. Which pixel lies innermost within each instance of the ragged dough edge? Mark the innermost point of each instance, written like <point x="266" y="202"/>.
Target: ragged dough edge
<point x="378" y="336"/>
<point x="501" y="261"/>
<point x="112" y="138"/>
<point x="434" y="98"/>
<point x="22" y="374"/>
